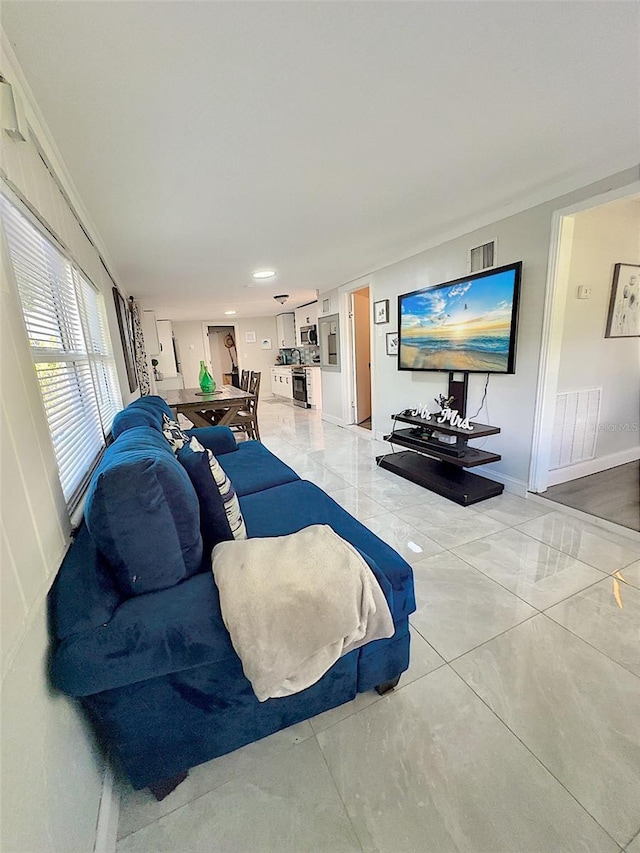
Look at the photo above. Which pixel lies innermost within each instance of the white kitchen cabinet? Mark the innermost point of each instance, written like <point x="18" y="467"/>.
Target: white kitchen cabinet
<point x="286" y="330"/>
<point x="314" y="387"/>
<point x="307" y="315"/>
<point x="274" y="381"/>
<point x="281" y="383"/>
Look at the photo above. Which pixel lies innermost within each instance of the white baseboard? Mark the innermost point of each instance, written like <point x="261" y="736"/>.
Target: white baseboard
<point x="511" y="485"/>
<point x="108" y="814"/>
<point x="333" y="420"/>
<point x="367" y="434"/>
<point x="592" y="466"/>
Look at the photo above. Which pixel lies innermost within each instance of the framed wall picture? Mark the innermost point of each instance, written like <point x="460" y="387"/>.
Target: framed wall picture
<point x="125" y="325"/>
<point x="381" y="311"/>
<point x="623" y="320"/>
<point x="266" y="343"/>
<point x="249" y="337"/>
<point x="392" y="343"/>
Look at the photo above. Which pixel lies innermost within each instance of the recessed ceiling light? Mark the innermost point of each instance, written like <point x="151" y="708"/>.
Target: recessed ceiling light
<point x="264" y="273"/>
<point x="229" y="313"/>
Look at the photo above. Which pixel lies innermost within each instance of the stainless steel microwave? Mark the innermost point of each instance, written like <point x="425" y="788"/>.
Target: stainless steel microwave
<point x="308" y="335"/>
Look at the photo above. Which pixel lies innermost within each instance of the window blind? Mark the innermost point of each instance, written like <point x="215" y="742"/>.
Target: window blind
<point x="66" y="325"/>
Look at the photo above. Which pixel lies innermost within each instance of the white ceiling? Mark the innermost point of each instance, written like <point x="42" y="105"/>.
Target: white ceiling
<point x="322" y="139"/>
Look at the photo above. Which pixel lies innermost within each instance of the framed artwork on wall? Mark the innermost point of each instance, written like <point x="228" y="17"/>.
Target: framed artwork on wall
<point x="392" y="343"/>
<point x="266" y="343"/>
<point x="623" y="320"/>
<point x="125" y="325"/>
<point x="249" y="337"/>
<point x="381" y="311"/>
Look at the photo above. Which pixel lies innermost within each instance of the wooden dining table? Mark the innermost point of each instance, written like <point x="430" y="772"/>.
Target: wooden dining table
<point x="203" y="410"/>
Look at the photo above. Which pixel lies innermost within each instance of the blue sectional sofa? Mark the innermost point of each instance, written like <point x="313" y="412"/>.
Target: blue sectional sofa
<point x="156" y="671"/>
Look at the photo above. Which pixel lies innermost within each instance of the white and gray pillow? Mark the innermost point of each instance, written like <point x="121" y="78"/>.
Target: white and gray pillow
<point x="226" y="489"/>
<point x="173" y="433"/>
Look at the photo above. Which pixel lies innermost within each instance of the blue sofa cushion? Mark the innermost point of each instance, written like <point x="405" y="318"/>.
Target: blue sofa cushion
<point x="145" y="411"/>
<point x="292" y="506"/>
<point x="254" y="468"/>
<point x="130" y="418"/>
<point x="143" y="514"/>
<point x="218" y="439"/>
<point x="148" y="411"/>
<point x="214" y="524"/>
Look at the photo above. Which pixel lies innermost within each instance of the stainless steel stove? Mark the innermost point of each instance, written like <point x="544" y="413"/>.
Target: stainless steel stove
<point x="299" y="381"/>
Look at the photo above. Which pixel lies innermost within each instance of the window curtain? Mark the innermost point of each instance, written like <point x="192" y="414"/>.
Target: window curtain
<point x="140" y="351"/>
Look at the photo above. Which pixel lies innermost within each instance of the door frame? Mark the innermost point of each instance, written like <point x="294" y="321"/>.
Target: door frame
<point x="205" y="338"/>
<point x="352" y="317"/>
<point x="349" y="381"/>
<point x="552" y="325"/>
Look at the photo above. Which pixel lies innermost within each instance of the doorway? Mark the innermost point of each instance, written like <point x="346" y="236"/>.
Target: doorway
<point x="361" y="337"/>
<point x="223" y="354"/>
<point x="585" y="445"/>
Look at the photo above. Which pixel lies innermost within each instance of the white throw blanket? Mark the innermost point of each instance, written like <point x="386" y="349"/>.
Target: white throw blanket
<point x="294" y="604"/>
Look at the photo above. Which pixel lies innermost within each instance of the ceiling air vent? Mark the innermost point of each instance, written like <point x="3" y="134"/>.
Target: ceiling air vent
<point x="482" y="257"/>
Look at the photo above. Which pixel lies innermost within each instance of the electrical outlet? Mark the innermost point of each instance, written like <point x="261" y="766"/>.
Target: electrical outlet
<point x="584" y="292"/>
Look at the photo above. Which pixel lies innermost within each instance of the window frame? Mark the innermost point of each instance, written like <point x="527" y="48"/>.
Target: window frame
<point x="99" y="390"/>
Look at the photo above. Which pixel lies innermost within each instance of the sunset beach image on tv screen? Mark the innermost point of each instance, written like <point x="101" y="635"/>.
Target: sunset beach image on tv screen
<point x="464" y="325"/>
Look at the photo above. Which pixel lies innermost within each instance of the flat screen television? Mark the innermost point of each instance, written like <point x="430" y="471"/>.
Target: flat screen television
<point x="464" y="325"/>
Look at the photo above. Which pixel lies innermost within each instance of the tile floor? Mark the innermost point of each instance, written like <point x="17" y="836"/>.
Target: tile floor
<point x="516" y="728"/>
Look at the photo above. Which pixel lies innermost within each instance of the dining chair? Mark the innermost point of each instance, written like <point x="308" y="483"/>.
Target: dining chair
<point x="246" y="420"/>
<point x="244" y="380"/>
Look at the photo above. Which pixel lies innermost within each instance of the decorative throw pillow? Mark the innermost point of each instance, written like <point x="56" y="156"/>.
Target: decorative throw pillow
<point x="229" y="497"/>
<point x="225" y="488"/>
<point x="214" y="527"/>
<point x="172" y="432"/>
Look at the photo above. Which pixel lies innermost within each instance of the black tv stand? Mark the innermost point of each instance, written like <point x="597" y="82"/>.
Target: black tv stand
<point x="438" y="466"/>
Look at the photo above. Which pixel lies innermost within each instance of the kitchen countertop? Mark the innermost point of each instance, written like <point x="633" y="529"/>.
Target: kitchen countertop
<point x="295" y="365"/>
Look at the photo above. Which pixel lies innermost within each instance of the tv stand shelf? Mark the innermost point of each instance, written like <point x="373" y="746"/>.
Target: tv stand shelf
<point x="479" y="430"/>
<point x="470" y="458"/>
<point x="432" y="464"/>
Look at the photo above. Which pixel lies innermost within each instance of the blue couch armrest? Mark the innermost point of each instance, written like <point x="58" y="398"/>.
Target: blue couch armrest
<point x="148" y="636"/>
<point x="218" y="439"/>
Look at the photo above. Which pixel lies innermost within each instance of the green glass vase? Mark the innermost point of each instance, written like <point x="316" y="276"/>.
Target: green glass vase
<point x="205" y="379"/>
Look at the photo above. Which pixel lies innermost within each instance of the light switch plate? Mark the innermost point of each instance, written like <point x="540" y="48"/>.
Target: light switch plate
<point x="584" y="292"/>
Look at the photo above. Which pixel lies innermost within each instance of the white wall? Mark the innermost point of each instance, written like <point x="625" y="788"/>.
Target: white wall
<point x="335" y="406"/>
<point x="251" y="356"/>
<point x="511" y="399"/>
<point x="51" y="771"/>
<point x="602" y="237"/>
<point x="188" y="337"/>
